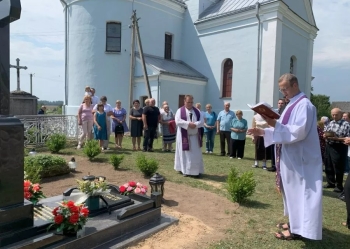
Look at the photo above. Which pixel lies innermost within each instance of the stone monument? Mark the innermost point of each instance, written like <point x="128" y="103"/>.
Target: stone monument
<point x="15" y="213"/>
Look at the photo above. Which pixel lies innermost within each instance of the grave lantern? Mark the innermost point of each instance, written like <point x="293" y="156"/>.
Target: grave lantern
<point x="32" y="152"/>
<point x="72" y="164"/>
<point x="89" y="177"/>
<point x="157" y="184"/>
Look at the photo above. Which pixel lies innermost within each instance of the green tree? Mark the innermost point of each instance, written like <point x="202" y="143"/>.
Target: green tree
<point x="322" y="104"/>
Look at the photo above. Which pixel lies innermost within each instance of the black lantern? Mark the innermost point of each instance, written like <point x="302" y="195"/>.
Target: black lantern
<point x="89" y="178"/>
<point x="157" y="184"/>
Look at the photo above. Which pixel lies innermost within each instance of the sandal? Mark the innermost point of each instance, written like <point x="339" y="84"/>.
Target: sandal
<point x="291" y="236"/>
<point x="282" y="226"/>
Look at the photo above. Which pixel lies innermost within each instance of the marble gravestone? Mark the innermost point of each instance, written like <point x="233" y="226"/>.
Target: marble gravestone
<point x="15" y="212"/>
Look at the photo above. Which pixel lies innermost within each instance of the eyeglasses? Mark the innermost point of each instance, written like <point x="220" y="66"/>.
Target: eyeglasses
<point x="282" y="90"/>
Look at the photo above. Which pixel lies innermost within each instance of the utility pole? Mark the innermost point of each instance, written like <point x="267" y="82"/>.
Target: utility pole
<point x="142" y="58"/>
<point x="31" y="83"/>
<point x="132" y="60"/>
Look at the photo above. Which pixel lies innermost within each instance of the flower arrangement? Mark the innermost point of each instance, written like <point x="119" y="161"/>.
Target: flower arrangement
<point x="93" y="188"/>
<point x="69" y="217"/>
<point x="132" y="188"/>
<point x="32" y="192"/>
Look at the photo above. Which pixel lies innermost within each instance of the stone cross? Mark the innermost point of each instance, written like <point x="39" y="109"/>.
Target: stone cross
<point x="18" y="67"/>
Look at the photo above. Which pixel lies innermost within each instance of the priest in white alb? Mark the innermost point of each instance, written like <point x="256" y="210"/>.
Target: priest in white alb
<point x="298" y="162"/>
<point x="188" y="154"/>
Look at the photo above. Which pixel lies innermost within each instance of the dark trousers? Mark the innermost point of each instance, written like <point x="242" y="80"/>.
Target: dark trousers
<point x="336" y="155"/>
<point x="225" y="135"/>
<point x="273" y="159"/>
<point x="148" y="138"/>
<point x="237" y="148"/>
<point x="347" y="199"/>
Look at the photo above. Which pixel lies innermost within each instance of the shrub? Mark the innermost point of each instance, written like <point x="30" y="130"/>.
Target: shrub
<point x="91" y="149"/>
<point x="147" y="166"/>
<point x="41" y="166"/>
<point x="240" y="187"/>
<point x="56" y="142"/>
<point x="116" y="160"/>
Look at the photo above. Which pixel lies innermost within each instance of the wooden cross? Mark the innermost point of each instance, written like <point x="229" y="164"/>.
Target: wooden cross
<point x="18" y="67"/>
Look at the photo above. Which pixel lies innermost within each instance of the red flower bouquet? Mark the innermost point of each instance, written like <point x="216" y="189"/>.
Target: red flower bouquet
<point x="132" y="188"/>
<point x="32" y="192"/>
<point x="69" y="217"/>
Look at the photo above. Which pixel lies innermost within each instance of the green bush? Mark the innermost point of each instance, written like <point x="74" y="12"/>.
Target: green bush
<point x="56" y="142"/>
<point x="116" y="160"/>
<point x="147" y="166"/>
<point x="41" y="166"/>
<point x="92" y="149"/>
<point x="240" y="187"/>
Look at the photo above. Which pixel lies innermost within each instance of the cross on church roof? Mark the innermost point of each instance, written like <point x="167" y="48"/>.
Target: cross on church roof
<point x="18" y="67"/>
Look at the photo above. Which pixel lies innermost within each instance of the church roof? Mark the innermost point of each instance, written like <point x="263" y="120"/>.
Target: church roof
<point x="180" y="2"/>
<point x="228" y="7"/>
<point x="343" y="105"/>
<point x="172" y="67"/>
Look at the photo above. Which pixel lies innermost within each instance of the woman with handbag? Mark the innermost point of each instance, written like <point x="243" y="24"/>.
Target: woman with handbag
<point x="119" y="125"/>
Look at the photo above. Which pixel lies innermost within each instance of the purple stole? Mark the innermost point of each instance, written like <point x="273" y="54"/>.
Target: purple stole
<point x="279" y="146"/>
<point x="184" y="134"/>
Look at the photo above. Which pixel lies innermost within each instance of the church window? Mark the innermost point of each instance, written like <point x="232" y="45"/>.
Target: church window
<point x="168" y="46"/>
<point x="181" y="100"/>
<point x="292" y="65"/>
<point x="113" y="37"/>
<point x="227" y="79"/>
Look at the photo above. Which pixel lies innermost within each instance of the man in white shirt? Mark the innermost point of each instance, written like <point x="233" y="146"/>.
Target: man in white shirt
<point x="94" y="99"/>
<point x="109" y="111"/>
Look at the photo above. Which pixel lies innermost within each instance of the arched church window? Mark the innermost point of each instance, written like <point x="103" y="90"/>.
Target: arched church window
<point x="227" y="79"/>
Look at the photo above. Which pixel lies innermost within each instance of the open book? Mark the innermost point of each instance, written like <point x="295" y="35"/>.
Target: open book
<point x="264" y="108"/>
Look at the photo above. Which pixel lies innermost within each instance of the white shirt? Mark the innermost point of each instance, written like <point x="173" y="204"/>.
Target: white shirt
<point x="94" y="100"/>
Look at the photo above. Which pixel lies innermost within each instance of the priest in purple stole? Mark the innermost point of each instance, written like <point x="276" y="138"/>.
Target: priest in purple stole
<point x="188" y="155"/>
<point x="298" y="163"/>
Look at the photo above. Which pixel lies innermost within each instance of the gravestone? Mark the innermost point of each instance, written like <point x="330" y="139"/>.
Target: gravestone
<point x="15" y="212"/>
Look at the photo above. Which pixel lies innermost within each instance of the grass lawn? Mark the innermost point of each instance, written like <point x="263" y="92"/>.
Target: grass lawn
<point x="254" y="222"/>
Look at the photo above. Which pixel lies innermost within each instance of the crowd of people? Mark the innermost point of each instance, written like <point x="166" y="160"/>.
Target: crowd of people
<point x="297" y="144"/>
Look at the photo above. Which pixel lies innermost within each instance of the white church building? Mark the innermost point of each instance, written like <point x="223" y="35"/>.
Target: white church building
<point x="217" y="50"/>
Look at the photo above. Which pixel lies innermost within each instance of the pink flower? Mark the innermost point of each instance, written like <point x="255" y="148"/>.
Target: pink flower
<point x="137" y="190"/>
<point x="129" y="189"/>
<point x="126" y="185"/>
<point x="36" y="187"/>
<point x="139" y="185"/>
<point x="143" y="191"/>
<point x="145" y="187"/>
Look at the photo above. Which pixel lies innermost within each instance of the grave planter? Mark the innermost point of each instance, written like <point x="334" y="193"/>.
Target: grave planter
<point x="93" y="202"/>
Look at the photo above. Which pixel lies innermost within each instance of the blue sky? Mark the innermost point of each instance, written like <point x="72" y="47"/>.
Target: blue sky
<point x="38" y="40"/>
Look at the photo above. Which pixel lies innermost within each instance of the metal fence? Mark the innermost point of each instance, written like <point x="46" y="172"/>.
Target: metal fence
<point x="37" y="128"/>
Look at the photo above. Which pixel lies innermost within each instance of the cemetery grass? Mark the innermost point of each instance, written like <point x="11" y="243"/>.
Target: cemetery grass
<point x="251" y="224"/>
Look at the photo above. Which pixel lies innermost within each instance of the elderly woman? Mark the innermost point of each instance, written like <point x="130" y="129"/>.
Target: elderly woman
<point x="209" y="128"/>
<point x="136" y="126"/>
<point x="239" y="127"/>
<point x="261" y="153"/>
<point x="168" y="138"/>
<point x="85" y="119"/>
<point x="119" y="125"/>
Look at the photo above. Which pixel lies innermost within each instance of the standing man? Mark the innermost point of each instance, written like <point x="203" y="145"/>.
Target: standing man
<point x="188" y="154"/>
<point x="336" y="150"/>
<point x="298" y="162"/>
<point x="94" y="98"/>
<point x="42" y="110"/>
<point x="150" y="118"/>
<point x="280" y="108"/>
<point x="223" y="127"/>
<point x="108" y="109"/>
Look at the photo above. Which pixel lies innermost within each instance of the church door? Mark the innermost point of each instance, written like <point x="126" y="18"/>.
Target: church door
<point x="181" y="100"/>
